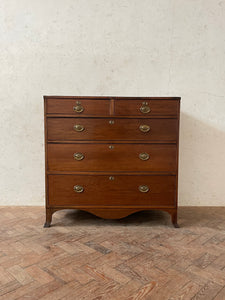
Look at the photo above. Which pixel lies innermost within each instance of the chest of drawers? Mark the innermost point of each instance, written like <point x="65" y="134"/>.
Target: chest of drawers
<point x="111" y="156"/>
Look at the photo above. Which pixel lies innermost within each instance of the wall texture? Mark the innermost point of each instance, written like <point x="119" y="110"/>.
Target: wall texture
<point x="99" y="47"/>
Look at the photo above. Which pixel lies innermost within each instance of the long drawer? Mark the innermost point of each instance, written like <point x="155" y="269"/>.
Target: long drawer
<point x="112" y="157"/>
<point x="71" y="129"/>
<point x="85" y="190"/>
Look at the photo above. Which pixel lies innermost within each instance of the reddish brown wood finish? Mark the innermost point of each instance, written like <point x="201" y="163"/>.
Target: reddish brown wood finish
<point x="65" y="106"/>
<point x="62" y="129"/>
<point x="111" y="143"/>
<point x="157" y="108"/>
<point x="101" y="190"/>
<point x="123" y="157"/>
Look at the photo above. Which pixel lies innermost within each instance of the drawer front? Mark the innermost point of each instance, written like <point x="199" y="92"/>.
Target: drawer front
<point x="146" y="108"/>
<point x="112" y="129"/>
<point x="78" y="107"/>
<point x="112" y="157"/>
<point x="83" y="190"/>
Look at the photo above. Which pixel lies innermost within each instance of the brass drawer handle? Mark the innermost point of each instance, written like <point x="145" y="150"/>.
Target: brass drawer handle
<point x="78" y="128"/>
<point x="78" y="156"/>
<point x="144" y="156"/>
<point x="145" y="108"/>
<point x="78" y="189"/>
<point x="78" y="108"/>
<point x="144" y="128"/>
<point x="143" y="188"/>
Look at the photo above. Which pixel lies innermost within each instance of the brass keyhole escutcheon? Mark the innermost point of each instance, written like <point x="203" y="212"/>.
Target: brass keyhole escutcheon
<point x="111" y="177"/>
<point x="78" y="108"/>
<point x="111" y="122"/>
<point x="144" y="128"/>
<point x="78" y="156"/>
<point x="145" y="108"/>
<point x="143" y="188"/>
<point x="111" y="147"/>
<point x="78" y="189"/>
<point x="144" y="156"/>
<point x="78" y="127"/>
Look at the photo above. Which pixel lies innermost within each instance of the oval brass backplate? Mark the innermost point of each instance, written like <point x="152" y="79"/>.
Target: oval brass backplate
<point x="143" y="188"/>
<point x="78" y="156"/>
<point x="144" y="156"/>
<point x="78" y="189"/>
<point x="144" y="128"/>
<point x="111" y="177"/>
<point x="145" y="108"/>
<point x="78" y="127"/>
<point x="78" y="108"/>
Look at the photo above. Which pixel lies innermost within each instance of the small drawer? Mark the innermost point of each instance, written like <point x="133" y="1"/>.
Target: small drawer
<point x="147" y="108"/>
<point x="73" y="129"/>
<point x="112" y="157"/>
<point x="78" y="107"/>
<point x="94" y="190"/>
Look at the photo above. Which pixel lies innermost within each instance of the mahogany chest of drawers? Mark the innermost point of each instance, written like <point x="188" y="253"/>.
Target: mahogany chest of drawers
<point x="111" y="156"/>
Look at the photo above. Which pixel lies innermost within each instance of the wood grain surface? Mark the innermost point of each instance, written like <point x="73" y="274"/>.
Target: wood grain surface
<point x="123" y="157"/>
<point x="86" y="137"/>
<point x="157" y="107"/>
<point x="62" y="129"/>
<point x="93" y="107"/>
<point x="123" y="190"/>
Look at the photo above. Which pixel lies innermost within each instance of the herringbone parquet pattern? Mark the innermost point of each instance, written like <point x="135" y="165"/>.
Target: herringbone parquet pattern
<point x="139" y="257"/>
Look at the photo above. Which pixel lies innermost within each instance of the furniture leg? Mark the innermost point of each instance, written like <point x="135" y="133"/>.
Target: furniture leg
<point x="49" y="213"/>
<point x="174" y="218"/>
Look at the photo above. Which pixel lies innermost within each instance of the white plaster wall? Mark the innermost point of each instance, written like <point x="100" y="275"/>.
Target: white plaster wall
<point x="112" y="47"/>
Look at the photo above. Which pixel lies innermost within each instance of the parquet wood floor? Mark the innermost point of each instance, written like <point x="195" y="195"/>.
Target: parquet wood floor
<point x="138" y="257"/>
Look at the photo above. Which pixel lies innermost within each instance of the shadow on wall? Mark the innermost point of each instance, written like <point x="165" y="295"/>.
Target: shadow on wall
<point x="201" y="163"/>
